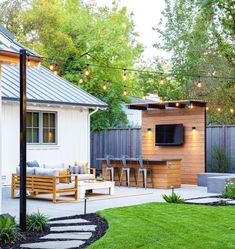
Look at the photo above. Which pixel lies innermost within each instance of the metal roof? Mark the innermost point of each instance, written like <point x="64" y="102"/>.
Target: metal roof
<point x="7" y="43"/>
<point x="45" y="87"/>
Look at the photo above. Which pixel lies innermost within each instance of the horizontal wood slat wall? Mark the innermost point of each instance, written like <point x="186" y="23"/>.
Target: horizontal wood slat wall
<point x="192" y="151"/>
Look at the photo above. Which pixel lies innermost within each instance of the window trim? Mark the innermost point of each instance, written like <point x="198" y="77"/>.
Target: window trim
<point x="41" y="128"/>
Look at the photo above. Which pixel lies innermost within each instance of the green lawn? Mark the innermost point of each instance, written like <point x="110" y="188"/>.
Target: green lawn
<point x="169" y="226"/>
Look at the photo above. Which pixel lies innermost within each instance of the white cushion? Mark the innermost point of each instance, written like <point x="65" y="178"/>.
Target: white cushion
<point x="54" y="166"/>
<point x="65" y="185"/>
<point x="83" y="177"/>
<point x="46" y="172"/>
<point x="29" y="170"/>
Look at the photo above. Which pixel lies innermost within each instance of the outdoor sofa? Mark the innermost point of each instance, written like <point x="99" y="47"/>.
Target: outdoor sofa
<point x="53" y="179"/>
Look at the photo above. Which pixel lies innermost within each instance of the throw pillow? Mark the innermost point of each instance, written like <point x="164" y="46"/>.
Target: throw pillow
<point x="64" y="172"/>
<point x="34" y="164"/>
<point x="29" y="170"/>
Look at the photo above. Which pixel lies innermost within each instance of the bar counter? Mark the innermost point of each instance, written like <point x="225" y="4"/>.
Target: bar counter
<point x="166" y="172"/>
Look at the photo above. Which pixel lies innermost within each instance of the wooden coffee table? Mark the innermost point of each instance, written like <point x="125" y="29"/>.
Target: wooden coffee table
<point x="92" y="185"/>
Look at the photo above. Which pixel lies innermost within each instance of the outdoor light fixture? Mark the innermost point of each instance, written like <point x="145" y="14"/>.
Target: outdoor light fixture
<point x="28" y="62"/>
<point x="194" y="128"/>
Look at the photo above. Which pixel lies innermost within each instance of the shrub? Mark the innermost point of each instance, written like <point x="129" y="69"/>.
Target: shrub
<point x="229" y="190"/>
<point x="173" y="198"/>
<point x="9" y="231"/>
<point x="37" y="222"/>
<point x="220" y="162"/>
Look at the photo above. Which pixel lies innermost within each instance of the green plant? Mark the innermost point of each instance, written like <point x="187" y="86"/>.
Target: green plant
<point x="229" y="190"/>
<point x="173" y="198"/>
<point x="36" y="222"/>
<point x="220" y="161"/>
<point x="9" y="231"/>
<point x="223" y="202"/>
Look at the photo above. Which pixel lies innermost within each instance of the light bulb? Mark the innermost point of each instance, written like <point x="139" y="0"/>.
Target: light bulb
<point x="55" y="72"/>
<point x="144" y="97"/>
<point x="231" y="110"/>
<point x="219" y="109"/>
<point x="161" y="81"/>
<point x="81" y="80"/>
<point x="29" y="63"/>
<point x="51" y="67"/>
<point x="199" y="84"/>
<point x="177" y="104"/>
<point x="125" y="92"/>
<point x="104" y="87"/>
<point x="207" y="108"/>
<point x="191" y="106"/>
<point x="87" y="71"/>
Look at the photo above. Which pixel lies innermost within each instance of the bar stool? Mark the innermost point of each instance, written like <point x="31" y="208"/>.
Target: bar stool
<point x="144" y="170"/>
<point x="126" y="170"/>
<point x="109" y="167"/>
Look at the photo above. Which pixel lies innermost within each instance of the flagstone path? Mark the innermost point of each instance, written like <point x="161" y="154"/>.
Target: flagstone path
<point x="64" y="234"/>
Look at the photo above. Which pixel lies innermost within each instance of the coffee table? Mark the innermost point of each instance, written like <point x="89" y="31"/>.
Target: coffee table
<point x="92" y="185"/>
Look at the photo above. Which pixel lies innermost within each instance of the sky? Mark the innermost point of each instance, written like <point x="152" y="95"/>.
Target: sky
<point x="147" y="14"/>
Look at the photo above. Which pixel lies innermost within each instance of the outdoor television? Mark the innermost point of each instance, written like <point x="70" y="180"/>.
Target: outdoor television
<point x="169" y="134"/>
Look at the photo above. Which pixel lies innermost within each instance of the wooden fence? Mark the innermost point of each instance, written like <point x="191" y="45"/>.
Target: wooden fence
<point x="119" y="142"/>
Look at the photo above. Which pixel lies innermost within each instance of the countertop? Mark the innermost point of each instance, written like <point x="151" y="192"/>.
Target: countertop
<point x="133" y="159"/>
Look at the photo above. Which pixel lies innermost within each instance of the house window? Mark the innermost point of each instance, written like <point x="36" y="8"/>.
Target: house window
<point x="41" y="127"/>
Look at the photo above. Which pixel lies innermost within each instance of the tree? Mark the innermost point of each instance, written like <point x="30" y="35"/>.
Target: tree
<point x="200" y="35"/>
<point x="73" y="35"/>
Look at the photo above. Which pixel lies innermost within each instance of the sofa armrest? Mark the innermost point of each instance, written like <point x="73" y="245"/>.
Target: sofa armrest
<point x="93" y="171"/>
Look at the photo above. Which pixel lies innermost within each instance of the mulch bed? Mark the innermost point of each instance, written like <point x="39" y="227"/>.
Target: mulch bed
<point x="95" y="219"/>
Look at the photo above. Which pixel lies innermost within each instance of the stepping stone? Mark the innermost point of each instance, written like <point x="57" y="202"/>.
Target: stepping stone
<point x="77" y="236"/>
<point x="66" y="244"/>
<point x="203" y="200"/>
<point x="73" y="228"/>
<point x="70" y="221"/>
<point x="231" y="202"/>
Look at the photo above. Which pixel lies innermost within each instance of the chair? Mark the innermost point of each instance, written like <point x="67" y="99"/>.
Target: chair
<point x="144" y="170"/>
<point x="109" y="167"/>
<point x="127" y="170"/>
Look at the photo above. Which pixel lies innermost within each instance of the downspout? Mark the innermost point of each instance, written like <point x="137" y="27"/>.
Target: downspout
<point x="89" y="136"/>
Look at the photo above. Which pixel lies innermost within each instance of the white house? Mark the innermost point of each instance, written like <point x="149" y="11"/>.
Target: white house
<point x="58" y="116"/>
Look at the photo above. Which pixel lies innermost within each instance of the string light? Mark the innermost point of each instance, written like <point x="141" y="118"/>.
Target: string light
<point x="55" y="72"/>
<point x="199" y="83"/>
<point x="161" y="81"/>
<point x="125" y="92"/>
<point x="207" y="108"/>
<point x="29" y="63"/>
<point x="87" y="70"/>
<point x="231" y="110"/>
<point x="124" y="75"/>
<point x="144" y="97"/>
<point x="191" y="106"/>
<point x="81" y="80"/>
<point x="51" y="67"/>
<point x="219" y="109"/>
<point x="105" y="87"/>
<point x="177" y="104"/>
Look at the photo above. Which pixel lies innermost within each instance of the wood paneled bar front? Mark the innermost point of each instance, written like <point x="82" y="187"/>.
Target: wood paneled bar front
<point x="165" y="172"/>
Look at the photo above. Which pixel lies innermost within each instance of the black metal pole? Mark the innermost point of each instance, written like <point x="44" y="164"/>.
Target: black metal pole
<point x="23" y="139"/>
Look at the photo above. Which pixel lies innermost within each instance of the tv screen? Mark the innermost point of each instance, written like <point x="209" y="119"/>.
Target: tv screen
<point x="169" y="134"/>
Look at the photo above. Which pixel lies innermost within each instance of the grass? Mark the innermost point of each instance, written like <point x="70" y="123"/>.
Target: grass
<point x="168" y="226"/>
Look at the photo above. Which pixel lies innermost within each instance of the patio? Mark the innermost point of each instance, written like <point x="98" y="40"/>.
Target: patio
<point x="100" y="200"/>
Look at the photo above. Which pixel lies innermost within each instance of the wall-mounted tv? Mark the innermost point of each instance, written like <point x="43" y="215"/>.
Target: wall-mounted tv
<point x="169" y="134"/>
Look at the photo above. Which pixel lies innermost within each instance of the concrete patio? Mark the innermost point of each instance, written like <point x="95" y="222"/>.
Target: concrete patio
<point x="100" y="200"/>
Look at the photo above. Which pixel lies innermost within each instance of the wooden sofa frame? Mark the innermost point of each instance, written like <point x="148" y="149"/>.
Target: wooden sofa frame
<point x="41" y="184"/>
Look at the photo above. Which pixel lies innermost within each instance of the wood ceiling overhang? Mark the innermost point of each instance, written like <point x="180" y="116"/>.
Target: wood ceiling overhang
<point x="168" y="105"/>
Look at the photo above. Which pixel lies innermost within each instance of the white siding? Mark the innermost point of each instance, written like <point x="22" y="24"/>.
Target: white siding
<point x="72" y="138"/>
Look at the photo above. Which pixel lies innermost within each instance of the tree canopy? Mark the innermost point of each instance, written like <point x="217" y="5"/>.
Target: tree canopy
<point x="73" y="35"/>
<point x="200" y="35"/>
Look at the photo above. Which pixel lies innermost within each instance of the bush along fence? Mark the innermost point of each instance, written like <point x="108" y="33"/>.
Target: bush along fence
<point x="220" y="147"/>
